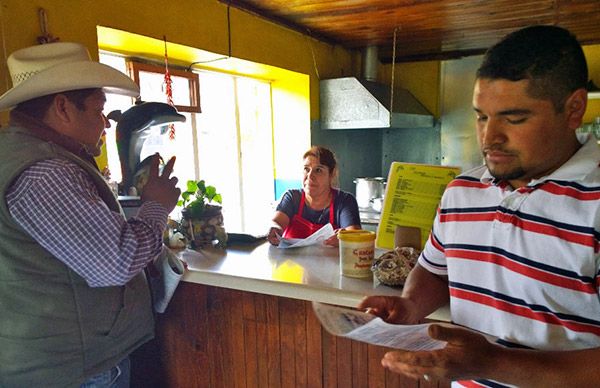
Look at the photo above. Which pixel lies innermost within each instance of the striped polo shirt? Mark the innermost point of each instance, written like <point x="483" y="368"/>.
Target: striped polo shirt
<point x="523" y="264"/>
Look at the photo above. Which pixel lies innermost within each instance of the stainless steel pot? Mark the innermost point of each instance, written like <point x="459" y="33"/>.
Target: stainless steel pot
<point x="369" y="190"/>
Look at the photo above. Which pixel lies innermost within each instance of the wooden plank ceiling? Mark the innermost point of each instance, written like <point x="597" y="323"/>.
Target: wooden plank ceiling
<point x="425" y="29"/>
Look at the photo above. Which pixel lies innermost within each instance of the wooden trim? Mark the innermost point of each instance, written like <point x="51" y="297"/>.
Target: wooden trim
<point x="134" y="68"/>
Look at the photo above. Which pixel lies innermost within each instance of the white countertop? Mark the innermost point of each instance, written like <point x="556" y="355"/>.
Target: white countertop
<point x="309" y="273"/>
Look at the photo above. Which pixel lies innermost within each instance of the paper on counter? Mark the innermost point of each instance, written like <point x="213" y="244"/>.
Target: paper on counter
<point x="360" y="326"/>
<point x="317" y="237"/>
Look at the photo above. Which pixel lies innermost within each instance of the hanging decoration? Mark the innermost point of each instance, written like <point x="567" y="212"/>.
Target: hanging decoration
<point x="393" y="73"/>
<point x="169" y="90"/>
<point x="46" y="36"/>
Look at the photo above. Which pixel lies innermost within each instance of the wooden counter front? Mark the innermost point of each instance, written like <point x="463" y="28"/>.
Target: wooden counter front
<point x="218" y="337"/>
<point x="212" y="336"/>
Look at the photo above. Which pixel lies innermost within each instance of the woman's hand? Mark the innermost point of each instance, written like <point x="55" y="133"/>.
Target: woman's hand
<point x="333" y="241"/>
<point x="274" y="236"/>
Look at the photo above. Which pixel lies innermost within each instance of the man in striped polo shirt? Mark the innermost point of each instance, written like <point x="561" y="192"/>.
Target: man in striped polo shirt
<point x="515" y="245"/>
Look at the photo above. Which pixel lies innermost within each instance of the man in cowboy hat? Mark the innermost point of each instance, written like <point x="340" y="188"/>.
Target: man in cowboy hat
<point x="74" y="302"/>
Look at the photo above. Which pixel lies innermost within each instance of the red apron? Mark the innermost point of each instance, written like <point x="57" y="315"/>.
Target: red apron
<point x="300" y="227"/>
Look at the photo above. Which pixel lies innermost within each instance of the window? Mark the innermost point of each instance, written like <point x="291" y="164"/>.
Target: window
<point x="151" y="77"/>
<point x="229" y="144"/>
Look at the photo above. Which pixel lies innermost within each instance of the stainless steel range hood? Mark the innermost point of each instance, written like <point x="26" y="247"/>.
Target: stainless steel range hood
<point x="352" y="103"/>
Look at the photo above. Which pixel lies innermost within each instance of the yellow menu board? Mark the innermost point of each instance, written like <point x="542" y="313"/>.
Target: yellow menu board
<point x="412" y="195"/>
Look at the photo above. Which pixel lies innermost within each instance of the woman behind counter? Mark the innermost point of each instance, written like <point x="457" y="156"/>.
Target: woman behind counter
<point x="301" y="212"/>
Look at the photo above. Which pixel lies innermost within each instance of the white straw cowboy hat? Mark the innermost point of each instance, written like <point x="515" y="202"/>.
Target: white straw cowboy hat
<point x="59" y="67"/>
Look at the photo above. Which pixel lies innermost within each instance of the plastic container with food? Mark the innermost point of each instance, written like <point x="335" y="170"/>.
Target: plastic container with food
<point x="357" y="249"/>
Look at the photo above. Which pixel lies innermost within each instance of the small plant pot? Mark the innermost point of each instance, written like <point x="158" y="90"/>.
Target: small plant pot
<point x="205" y="230"/>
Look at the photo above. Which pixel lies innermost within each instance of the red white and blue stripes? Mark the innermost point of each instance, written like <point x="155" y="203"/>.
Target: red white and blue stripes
<point x="523" y="265"/>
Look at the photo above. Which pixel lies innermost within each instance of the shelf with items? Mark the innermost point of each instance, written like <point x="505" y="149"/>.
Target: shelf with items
<point x="593" y="127"/>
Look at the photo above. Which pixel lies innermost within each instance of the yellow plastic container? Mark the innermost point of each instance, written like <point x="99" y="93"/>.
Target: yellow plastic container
<point x="357" y="250"/>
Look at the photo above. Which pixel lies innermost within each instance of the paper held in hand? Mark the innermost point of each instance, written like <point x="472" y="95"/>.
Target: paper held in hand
<point x="317" y="238"/>
<point x="360" y="326"/>
<point x="165" y="272"/>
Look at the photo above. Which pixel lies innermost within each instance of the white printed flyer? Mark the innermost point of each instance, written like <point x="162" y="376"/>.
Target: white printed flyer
<point x="364" y="327"/>
<point x="316" y="238"/>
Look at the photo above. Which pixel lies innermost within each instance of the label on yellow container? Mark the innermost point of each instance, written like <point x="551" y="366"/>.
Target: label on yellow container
<point x="357" y="250"/>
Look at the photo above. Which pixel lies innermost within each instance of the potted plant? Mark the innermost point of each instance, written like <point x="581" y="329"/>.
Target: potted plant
<point x="202" y="218"/>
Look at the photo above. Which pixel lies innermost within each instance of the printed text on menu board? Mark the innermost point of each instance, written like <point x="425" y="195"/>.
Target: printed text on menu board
<point x="412" y="195"/>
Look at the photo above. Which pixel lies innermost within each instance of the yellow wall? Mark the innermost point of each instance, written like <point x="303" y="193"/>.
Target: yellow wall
<point x="196" y="30"/>
<point x="200" y="24"/>
<point x="592" y="54"/>
<point x="422" y="79"/>
<point x="203" y="24"/>
<point x="194" y="23"/>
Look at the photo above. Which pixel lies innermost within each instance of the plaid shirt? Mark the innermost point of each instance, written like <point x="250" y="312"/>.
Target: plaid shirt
<point x="56" y="202"/>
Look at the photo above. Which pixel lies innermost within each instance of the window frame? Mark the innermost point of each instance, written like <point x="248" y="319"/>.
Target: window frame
<point x="134" y="68"/>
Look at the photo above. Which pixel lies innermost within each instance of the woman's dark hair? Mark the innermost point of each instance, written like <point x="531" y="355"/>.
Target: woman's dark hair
<point x="323" y="155"/>
<point x="37" y="107"/>
<point x="549" y="56"/>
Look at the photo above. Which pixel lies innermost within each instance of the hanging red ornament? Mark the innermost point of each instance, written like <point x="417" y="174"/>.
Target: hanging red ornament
<point x="169" y="89"/>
